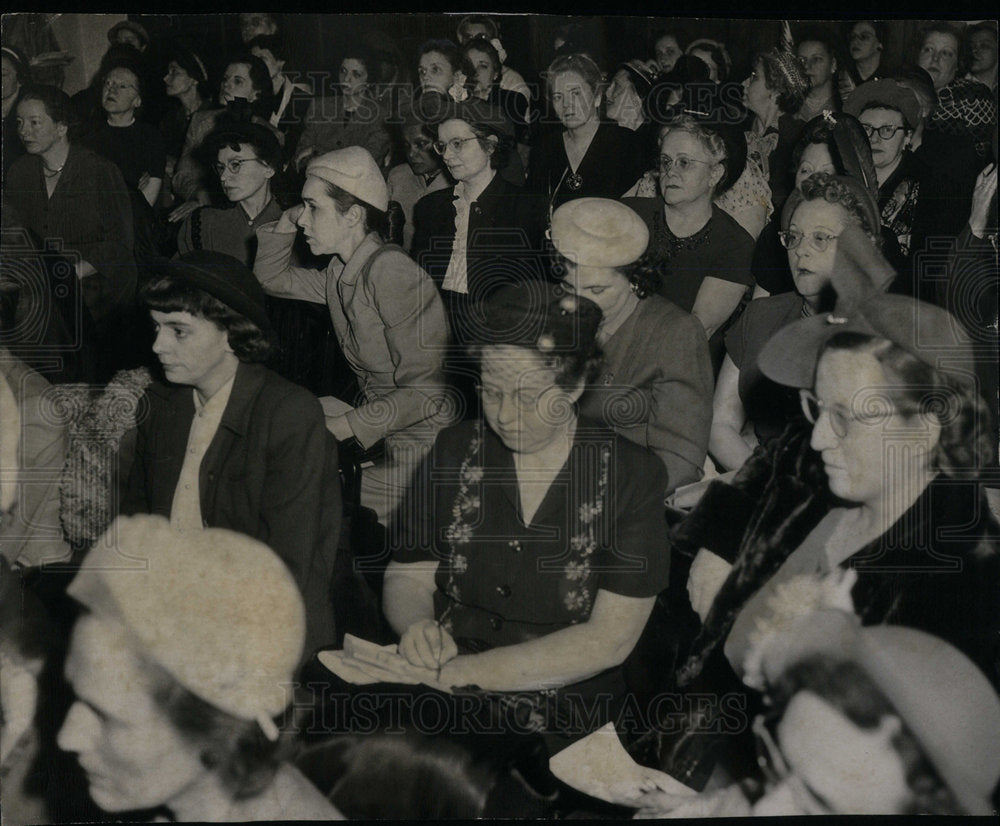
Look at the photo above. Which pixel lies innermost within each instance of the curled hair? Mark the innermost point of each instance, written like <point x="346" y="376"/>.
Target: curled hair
<point x="821" y="186"/>
<point x="58" y="105"/>
<point x="791" y="95"/>
<point x="644" y="275"/>
<point x="260" y="79"/>
<point x="237" y="750"/>
<point x="710" y="140"/>
<point x="848" y="688"/>
<point x="480" y="44"/>
<point x="170" y="295"/>
<point x="582" y="363"/>
<point x="964" y="417"/>
<point x="259" y="138"/>
<point x="376" y="220"/>
<point x="444" y="47"/>
<point x="582" y="65"/>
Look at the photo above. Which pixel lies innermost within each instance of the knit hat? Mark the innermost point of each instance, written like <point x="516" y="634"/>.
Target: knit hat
<point x="889" y="92"/>
<point x="223" y="277"/>
<point x="354" y="170"/>
<point x="218" y="610"/>
<point x="128" y="25"/>
<point x="598" y="232"/>
<point x="789" y="71"/>
<point x="539" y="315"/>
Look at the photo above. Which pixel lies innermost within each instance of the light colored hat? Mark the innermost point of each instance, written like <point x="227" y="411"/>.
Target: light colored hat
<point x="354" y="170"/>
<point x="218" y="610"/>
<point x="598" y="232"/>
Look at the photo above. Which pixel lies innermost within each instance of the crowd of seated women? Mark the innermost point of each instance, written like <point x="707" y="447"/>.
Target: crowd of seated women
<point x="663" y="393"/>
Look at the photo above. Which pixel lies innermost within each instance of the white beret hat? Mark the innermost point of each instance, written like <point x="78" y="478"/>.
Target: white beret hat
<point x="354" y="170"/>
<point x="598" y="232"/>
<point x="219" y="611"/>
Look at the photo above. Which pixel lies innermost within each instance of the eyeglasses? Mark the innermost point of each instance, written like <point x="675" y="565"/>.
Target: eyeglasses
<point x="776" y="771"/>
<point x="111" y="86"/>
<point x="234" y="165"/>
<point x="884" y="132"/>
<point x="455" y="144"/>
<point x="523" y="400"/>
<point x="881" y="410"/>
<point x="683" y="164"/>
<point x="819" y="241"/>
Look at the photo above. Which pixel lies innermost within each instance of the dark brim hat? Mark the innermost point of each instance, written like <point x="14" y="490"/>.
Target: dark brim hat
<point x="128" y="25"/>
<point x="641" y="76"/>
<point x="478" y="113"/>
<point x="538" y="315"/>
<point x="889" y="92"/>
<point x="223" y="277"/>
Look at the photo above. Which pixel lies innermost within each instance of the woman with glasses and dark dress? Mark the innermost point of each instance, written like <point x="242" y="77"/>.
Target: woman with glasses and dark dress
<point x="588" y="157"/>
<point x="748" y="409"/>
<point x="877" y="501"/>
<point x="247" y="157"/>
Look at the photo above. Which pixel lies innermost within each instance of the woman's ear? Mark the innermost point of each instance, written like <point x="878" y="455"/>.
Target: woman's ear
<point x="492" y="142"/>
<point x="577" y="391"/>
<point x="717" y="173"/>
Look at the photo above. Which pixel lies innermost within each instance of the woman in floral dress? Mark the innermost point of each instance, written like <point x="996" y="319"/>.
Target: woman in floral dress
<point x="532" y="546"/>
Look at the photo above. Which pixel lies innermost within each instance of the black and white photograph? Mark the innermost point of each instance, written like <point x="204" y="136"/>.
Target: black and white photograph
<point x="498" y="415"/>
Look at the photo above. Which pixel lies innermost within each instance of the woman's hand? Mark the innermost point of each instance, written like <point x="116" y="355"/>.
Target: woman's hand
<point x="983" y="196"/>
<point x="427" y="644"/>
<point x="288" y="222"/>
<point x="708" y="572"/>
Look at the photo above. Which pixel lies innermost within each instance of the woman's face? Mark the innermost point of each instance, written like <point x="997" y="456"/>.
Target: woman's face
<point x="693" y="185"/>
<point x="435" y="72"/>
<point x="522" y="403"/>
<point x="325" y="229"/>
<point x="253" y="175"/>
<point x="983" y="47"/>
<point x="120" y="94"/>
<point x="131" y="754"/>
<point x="36" y="129"/>
<point x="939" y="57"/>
<point x="605" y="286"/>
<point x="757" y="97"/>
<point x="817" y="63"/>
<point x="471" y="30"/>
<point x="623" y="102"/>
<point x="864" y="41"/>
<point x="236" y="83"/>
<point x="486" y="72"/>
<point x="885" y="151"/>
<point x="9" y="86"/>
<point x="852" y="770"/>
<point x="574" y="102"/>
<point x="879" y="446"/>
<point x="470" y="159"/>
<point x="177" y="81"/>
<point x="811" y="269"/>
<point x="419" y="149"/>
<point x="667" y="51"/>
<point x="706" y="56"/>
<point x="815" y="158"/>
<point x="353" y="76"/>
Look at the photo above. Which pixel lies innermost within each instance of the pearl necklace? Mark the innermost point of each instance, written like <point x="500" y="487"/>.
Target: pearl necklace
<point x="51" y="173"/>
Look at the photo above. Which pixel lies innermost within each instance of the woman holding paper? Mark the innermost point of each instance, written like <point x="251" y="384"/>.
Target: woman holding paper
<point x="531" y="547"/>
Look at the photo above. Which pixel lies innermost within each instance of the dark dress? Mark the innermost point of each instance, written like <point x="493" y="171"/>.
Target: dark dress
<point x="501" y="582"/>
<point x="614" y="161"/>
<point x="721" y="249"/>
<point x="136" y="150"/>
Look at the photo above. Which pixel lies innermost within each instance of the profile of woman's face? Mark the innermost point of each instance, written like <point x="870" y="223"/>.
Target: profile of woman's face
<point x="177" y="80"/>
<point x="623" y="102"/>
<point x="419" y="150"/>
<point x="236" y="83"/>
<point x="756" y="94"/>
<point x="864" y="42"/>
<point x="521" y="400"/>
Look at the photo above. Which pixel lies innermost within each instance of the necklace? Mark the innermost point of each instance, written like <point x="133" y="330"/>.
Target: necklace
<point x="51" y="173"/>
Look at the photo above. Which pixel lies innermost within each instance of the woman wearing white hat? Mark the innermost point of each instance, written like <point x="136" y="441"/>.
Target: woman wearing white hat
<point x="182" y="666"/>
<point x="386" y="311"/>
<point x="655" y="385"/>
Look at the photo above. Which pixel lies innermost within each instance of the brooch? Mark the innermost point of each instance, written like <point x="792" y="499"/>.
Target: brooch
<point x="574" y="182"/>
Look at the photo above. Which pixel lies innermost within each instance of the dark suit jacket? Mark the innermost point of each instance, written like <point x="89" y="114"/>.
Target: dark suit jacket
<point x="506" y="225"/>
<point x="271" y="472"/>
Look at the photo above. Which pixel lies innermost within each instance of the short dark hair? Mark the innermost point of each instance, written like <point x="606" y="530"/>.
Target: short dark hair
<point x="481" y="44"/>
<point x="877" y="25"/>
<point x="445" y="47"/>
<point x="167" y="294"/>
<point x="273" y="43"/>
<point x="881" y="104"/>
<point x="848" y="688"/>
<point x="478" y="20"/>
<point x="260" y="138"/>
<point x="260" y="78"/>
<point x="818" y="34"/>
<point x="645" y="274"/>
<point x="376" y="220"/>
<point x="236" y="749"/>
<point x="58" y="105"/>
